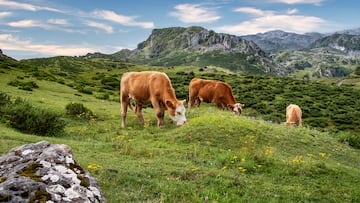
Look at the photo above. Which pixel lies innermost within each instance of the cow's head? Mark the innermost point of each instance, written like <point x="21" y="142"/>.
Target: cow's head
<point x="176" y="111"/>
<point x="236" y="108"/>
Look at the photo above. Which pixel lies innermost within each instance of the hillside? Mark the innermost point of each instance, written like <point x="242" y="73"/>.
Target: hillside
<point x="215" y="157"/>
<point x="323" y="62"/>
<point x="264" y="96"/>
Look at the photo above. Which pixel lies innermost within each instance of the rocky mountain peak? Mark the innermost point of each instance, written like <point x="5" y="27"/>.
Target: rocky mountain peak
<point x="195" y="39"/>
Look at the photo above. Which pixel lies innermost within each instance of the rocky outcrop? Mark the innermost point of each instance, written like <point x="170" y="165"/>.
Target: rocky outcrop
<point x="45" y="172"/>
<point x="196" y="39"/>
<point x="348" y="44"/>
<point x="279" y="40"/>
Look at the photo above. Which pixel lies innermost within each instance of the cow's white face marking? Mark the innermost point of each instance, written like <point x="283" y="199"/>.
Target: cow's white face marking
<point x="237" y="108"/>
<point x="179" y="117"/>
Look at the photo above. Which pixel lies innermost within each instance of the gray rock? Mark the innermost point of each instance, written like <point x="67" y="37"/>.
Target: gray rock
<point x="45" y="172"/>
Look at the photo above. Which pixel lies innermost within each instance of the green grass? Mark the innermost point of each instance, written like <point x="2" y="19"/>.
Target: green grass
<point x="215" y="156"/>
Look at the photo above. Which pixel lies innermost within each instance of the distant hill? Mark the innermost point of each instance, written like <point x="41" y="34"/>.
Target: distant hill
<point x="347" y="43"/>
<point x="312" y="54"/>
<point x="355" y="31"/>
<point x="273" y="41"/>
<point x="280" y="40"/>
<point x="200" y="47"/>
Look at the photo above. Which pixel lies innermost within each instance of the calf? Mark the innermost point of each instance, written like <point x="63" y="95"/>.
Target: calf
<point x="293" y="115"/>
<point x="154" y="87"/>
<point x="213" y="91"/>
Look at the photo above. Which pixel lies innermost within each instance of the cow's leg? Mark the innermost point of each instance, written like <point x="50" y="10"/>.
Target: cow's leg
<point x="138" y="113"/>
<point x="193" y="99"/>
<point x="300" y="122"/>
<point x="159" y="111"/>
<point x="219" y="105"/>
<point x="124" y="104"/>
<point x="160" y="116"/>
<point x="197" y="102"/>
<point x="191" y="102"/>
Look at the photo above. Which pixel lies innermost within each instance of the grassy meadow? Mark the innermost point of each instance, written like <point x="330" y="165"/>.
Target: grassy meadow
<point x="215" y="157"/>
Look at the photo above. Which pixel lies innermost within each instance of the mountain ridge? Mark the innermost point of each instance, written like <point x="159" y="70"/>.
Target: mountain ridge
<point x="200" y="47"/>
<point x="278" y="40"/>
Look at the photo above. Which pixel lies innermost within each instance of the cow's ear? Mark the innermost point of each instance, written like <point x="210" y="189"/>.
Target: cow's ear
<point x="169" y="104"/>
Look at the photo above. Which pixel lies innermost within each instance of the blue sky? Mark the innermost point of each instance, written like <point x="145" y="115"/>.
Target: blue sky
<point x="45" y="28"/>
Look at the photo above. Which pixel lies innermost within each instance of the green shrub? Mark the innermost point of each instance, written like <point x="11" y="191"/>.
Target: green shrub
<point x="24" y="85"/>
<point x="86" y="90"/>
<point x="111" y="83"/>
<point x="29" y="119"/>
<point x="103" y="96"/>
<point x="79" y="110"/>
<point x="350" y="139"/>
<point x="4" y="99"/>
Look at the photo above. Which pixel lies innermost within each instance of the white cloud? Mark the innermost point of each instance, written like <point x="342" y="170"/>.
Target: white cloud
<point x="194" y="13"/>
<point x="265" y="20"/>
<point x="253" y="11"/>
<point x="4" y="14"/>
<point x="58" y="21"/>
<point x="25" y="6"/>
<point x="121" y="19"/>
<point x="28" y="23"/>
<point x="292" y="11"/>
<point x="101" y="26"/>
<point x="52" y="24"/>
<point x="316" y="2"/>
<point x="9" y="42"/>
<point x="289" y="23"/>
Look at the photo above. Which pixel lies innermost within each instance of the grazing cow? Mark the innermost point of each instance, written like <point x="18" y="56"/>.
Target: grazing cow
<point x="154" y="87"/>
<point x="213" y="91"/>
<point x="293" y="115"/>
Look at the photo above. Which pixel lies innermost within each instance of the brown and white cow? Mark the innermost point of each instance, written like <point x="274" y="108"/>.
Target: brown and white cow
<point x="213" y="91"/>
<point x="293" y="115"/>
<point x="154" y="87"/>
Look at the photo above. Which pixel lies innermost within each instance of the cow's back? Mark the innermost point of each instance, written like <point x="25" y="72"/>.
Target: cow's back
<point x="208" y="90"/>
<point x="293" y="114"/>
<point x="203" y="89"/>
<point x="142" y="85"/>
<point x="223" y="89"/>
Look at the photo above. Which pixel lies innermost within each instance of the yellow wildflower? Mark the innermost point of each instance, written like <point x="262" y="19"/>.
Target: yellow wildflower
<point x="120" y="137"/>
<point x="242" y="170"/>
<point x="269" y="151"/>
<point x="322" y="154"/>
<point x="93" y="166"/>
<point x="297" y="160"/>
<point x="310" y="155"/>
